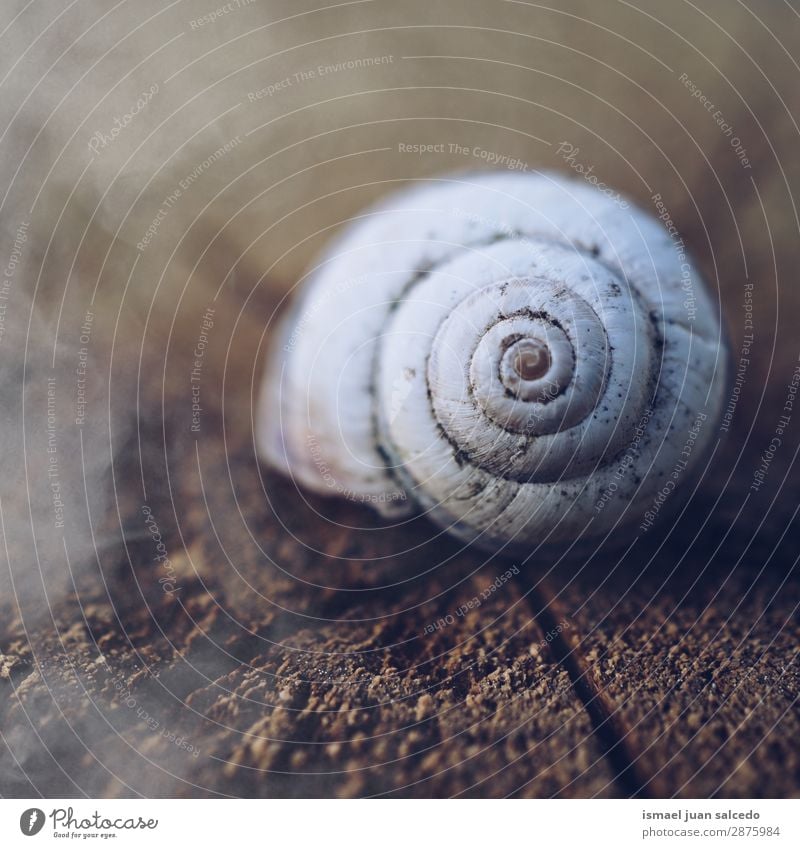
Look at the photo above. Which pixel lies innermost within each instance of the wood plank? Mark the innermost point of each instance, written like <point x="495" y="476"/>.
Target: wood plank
<point x="294" y="672"/>
<point x="695" y="662"/>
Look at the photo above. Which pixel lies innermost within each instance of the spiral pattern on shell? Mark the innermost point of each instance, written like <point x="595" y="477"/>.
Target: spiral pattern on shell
<point x="520" y="356"/>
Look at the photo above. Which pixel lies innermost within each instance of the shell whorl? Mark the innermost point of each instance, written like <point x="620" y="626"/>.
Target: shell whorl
<point x="487" y="348"/>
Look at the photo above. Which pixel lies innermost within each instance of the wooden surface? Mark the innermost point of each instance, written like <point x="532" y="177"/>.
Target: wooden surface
<point x="298" y="654"/>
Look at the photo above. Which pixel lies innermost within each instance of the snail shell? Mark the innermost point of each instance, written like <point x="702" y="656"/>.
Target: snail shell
<point x="520" y="356"/>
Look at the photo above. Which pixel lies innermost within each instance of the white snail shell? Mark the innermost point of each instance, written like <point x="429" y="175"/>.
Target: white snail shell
<point x="521" y="356"/>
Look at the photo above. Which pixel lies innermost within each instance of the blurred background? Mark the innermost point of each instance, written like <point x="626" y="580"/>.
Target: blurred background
<point x="168" y="173"/>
